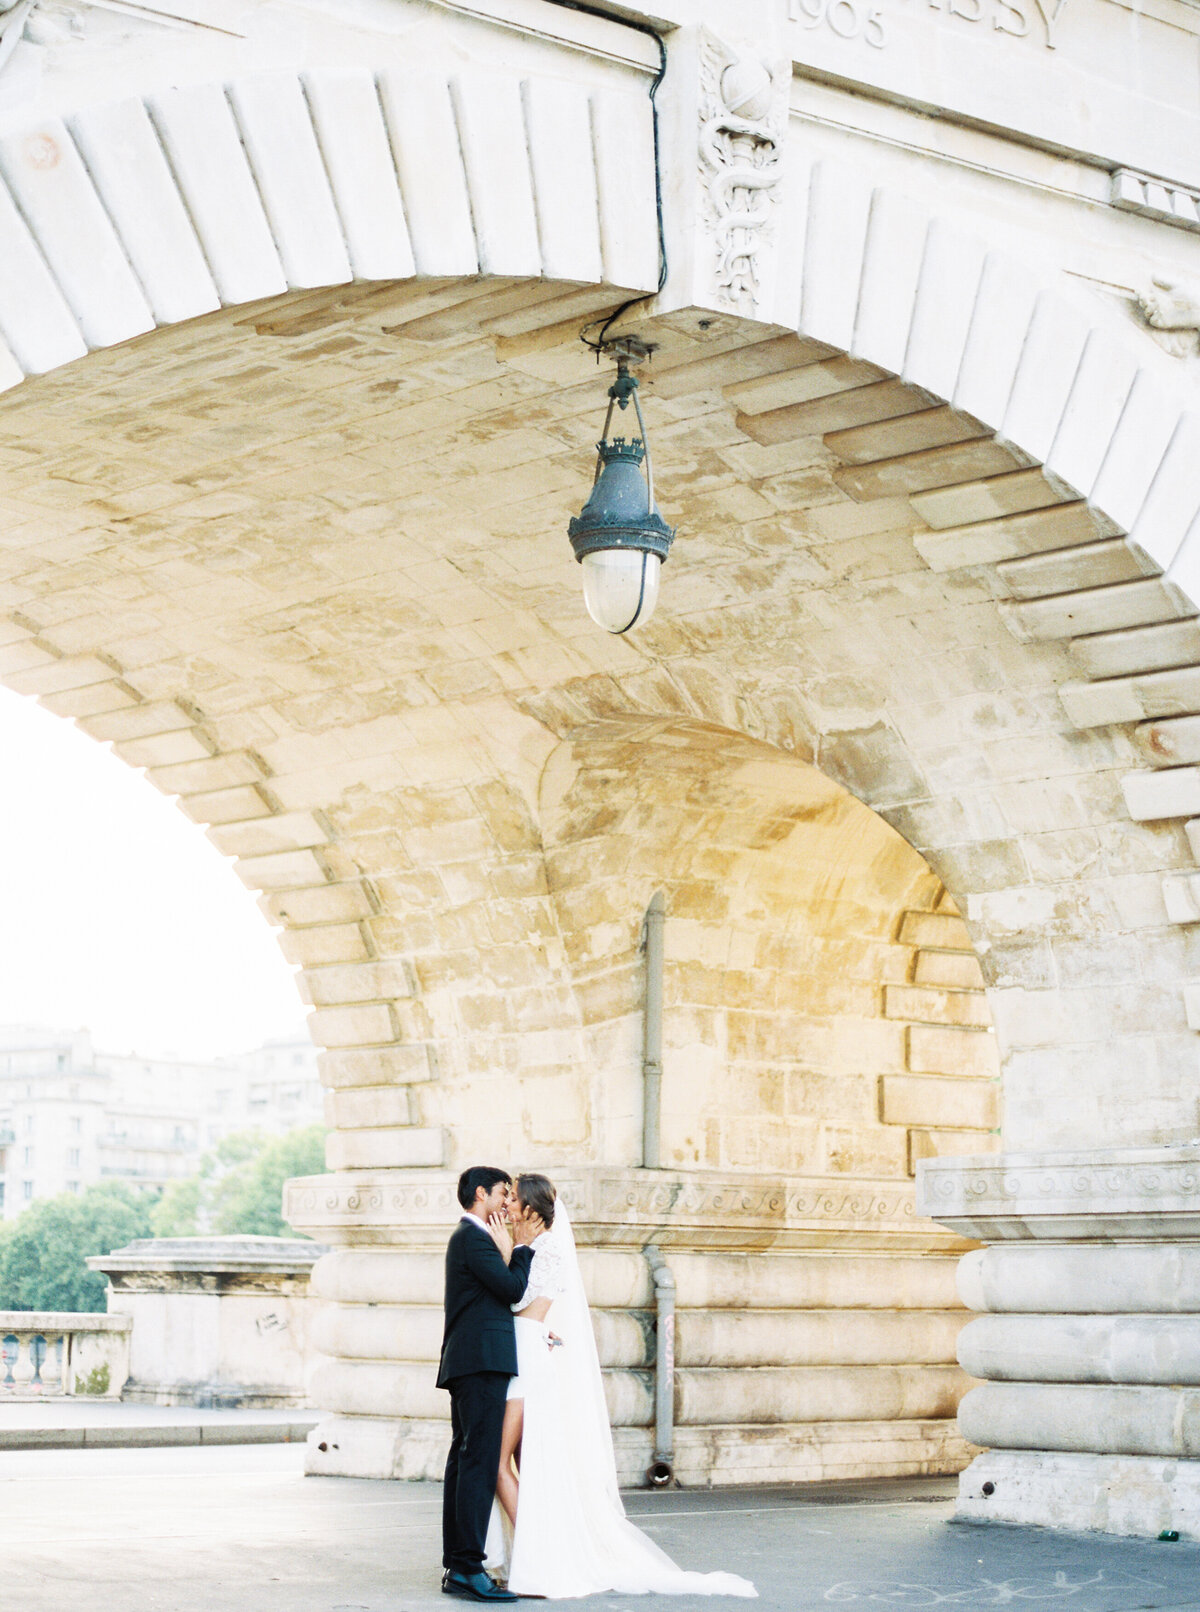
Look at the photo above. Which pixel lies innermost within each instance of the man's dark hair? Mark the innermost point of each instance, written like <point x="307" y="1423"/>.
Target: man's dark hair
<point x="536" y="1192"/>
<point x="479" y="1175"/>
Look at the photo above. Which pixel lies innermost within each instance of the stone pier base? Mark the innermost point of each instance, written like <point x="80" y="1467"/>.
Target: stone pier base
<point x="1086" y="1337"/>
<point x="815" y="1323"/>
<point x="1114" y="1494"/>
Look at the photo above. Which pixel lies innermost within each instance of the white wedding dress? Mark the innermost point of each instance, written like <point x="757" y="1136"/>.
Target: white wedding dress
<point x="572" y="1536"/>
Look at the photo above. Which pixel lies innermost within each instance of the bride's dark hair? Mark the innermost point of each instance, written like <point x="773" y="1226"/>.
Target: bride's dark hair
<point x="537" y="1192"/>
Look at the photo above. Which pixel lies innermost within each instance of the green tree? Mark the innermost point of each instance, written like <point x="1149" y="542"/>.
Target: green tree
<point x="177" y="1212"/>
<point x="42" y="1252"/>
<point x="238" y="1187"/>
<point x="249" y="1197"/>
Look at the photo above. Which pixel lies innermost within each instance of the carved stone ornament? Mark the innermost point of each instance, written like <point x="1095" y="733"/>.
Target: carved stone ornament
<point x="743" y="124"/>
<point x="1144" y="1193"/>
<point x="624" y="1208"/>
<point x="1171" y="311"/>
<point x="59" y="22"/>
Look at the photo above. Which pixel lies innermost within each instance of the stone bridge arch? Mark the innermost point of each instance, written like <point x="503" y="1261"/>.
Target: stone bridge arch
<point x="307" y="568"/>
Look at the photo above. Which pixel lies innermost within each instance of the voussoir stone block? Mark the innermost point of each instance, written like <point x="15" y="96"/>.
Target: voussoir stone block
<point x="935" y="929"/>
<point x="930" y="1004"/>
<point x="362" y="1026"/>
<point x="959" y="971"/>
<point x="1174" y="792"/>
<point x="942" y="1050"/>
<point x="325" y="944"/>
<point x="371" y="982"/>
<point x="1181" y="897"/>
<point x="361" y="1108"/>
<point x="940" y="1103"/>
<point x="1169" y="741"/>
<point x="371" y="1066"/>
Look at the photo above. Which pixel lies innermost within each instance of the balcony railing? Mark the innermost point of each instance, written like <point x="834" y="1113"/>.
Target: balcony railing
<point x="48" y="1353"/>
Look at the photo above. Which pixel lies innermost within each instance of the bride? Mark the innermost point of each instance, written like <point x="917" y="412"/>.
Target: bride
<point x="560" y="1526"/>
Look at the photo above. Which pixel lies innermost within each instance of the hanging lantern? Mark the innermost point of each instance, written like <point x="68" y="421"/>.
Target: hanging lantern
<point x="619" y="537"/>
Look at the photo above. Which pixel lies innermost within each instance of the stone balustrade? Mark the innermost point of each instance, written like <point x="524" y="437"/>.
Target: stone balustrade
<point x="219" y="1320"/>
<point x="47" y="1353"/>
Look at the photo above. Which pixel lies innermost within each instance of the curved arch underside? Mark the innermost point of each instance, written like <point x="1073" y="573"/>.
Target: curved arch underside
<point x="305" y="564"/>
<point x="317" y="586"/>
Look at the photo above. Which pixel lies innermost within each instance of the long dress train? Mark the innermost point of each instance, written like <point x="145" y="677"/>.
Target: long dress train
<point x="572" y="1536"/>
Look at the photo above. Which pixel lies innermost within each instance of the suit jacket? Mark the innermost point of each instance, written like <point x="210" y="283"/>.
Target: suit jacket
<point x="480" y="1288"/>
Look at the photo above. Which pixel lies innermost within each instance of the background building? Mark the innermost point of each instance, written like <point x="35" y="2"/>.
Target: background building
<point x="71" y="1115"/>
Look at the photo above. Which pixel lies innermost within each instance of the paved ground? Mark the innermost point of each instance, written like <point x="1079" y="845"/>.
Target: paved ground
<point x="63" y="1423"/>
<point x="239" y="1529"/>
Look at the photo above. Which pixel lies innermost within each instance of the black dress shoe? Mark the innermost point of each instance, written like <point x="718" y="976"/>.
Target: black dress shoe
<point x="474" y="1587"/>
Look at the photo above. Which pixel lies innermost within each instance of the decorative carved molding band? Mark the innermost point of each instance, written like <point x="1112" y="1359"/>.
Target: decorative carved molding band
<point x="1144" y="1193"/>
<point x="627" y="1208"/>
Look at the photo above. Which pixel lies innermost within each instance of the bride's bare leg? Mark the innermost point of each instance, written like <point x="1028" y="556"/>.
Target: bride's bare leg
<point x="510" y="1442"/>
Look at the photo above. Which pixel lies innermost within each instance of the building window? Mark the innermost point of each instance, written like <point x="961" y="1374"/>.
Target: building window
<point x="72" y="1186"/>
<point x="29" y="1125"/>
<point x="61" y="1060"/>
<point x="76" y="1124"/>
<point x="73" y="1091"/>
<point x="27" y="1190"/>
<point x="73" y="1158"/>
<point x="28" y="1155"/>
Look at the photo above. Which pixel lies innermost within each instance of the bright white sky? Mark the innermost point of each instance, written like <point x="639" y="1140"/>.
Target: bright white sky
<point x="117" y="914"/>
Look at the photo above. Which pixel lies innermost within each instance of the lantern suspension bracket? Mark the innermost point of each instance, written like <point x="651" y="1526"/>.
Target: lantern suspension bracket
<point x="621" y="512"/>
<point x="622" y="392"/>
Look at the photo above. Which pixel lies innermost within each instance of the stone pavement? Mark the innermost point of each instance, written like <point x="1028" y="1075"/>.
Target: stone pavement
<point x="224" y="1530"/>
<point x="79" y="1424"/>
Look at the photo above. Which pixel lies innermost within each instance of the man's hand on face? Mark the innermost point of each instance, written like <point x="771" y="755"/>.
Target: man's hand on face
<point x="492" y="1208"/>
<point x="501" y="1236"/>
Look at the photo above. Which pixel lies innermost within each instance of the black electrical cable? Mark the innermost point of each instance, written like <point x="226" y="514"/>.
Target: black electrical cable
<point x="597" y="346"/>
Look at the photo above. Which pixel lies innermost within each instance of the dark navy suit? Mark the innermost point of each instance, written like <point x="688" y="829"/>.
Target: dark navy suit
<point x="479" y="1355"/>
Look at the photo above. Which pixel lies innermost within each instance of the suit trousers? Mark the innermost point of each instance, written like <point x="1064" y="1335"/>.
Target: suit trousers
<point x="477" y="1425"/>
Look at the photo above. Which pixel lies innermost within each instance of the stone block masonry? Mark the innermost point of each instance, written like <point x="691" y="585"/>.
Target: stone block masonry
<point x="290" y="535"/>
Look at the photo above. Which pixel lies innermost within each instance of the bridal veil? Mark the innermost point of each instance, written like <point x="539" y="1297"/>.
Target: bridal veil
<point x="572" y="1536"/>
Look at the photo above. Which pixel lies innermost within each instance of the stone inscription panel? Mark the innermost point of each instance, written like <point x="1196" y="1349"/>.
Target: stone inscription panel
<point x="1088" y="78"/>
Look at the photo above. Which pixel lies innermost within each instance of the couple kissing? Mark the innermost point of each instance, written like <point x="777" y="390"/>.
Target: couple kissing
<point x="531" y="1479"/>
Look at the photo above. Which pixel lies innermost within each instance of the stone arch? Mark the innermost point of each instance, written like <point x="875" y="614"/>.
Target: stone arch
<point x="929" y="375"/>
<point x="121" y="218"/>
<point x="926" y="491"/>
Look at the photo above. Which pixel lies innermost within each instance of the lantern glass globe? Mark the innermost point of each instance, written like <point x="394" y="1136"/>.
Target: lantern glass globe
<point x="620" y="587"/>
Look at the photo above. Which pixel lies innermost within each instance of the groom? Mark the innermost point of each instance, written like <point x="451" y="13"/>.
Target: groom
<point x="479" y="1355"/>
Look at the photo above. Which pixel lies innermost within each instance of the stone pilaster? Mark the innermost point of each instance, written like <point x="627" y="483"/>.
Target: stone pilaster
<point x="1087" y="1335"/>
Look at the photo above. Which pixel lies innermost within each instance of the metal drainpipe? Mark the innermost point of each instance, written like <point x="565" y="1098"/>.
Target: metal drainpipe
<point x="661" y="1470"/>
<point x="652" y="932"/>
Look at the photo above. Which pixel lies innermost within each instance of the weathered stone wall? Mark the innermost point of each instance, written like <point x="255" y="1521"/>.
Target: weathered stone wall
<point x="801" y="1017"/>
<point x="825" y="1351"/>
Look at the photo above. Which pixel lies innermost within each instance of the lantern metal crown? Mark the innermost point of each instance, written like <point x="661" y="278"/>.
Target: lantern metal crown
<point x="619" y="537"/>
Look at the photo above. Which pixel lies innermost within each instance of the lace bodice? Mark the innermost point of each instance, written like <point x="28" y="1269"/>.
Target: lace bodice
<point x="546" y="1275"/>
